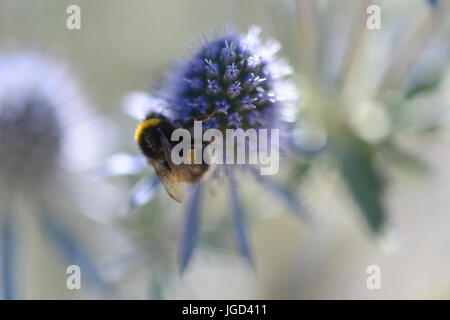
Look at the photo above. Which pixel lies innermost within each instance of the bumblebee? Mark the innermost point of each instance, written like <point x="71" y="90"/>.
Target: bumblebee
<point x="153" y="137"/>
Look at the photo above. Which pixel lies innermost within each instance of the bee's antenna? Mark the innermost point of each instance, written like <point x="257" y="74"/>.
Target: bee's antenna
<point x="202" y="119"/>
<point x="208" y="116"/>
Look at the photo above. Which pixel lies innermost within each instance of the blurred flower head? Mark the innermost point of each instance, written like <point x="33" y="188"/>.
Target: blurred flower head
<point x="360" y="90"/>
<point x="42" y="134"/>
<point x="39" y="104"/>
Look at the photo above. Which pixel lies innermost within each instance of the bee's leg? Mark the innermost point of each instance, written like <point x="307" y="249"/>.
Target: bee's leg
<point x="167" y="149"/>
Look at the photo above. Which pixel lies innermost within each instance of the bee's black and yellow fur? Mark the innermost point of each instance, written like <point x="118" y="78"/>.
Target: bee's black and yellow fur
<point x="153" y="137"/>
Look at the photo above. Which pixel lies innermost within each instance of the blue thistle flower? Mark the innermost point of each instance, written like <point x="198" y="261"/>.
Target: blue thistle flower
<point x="235" y="81"/>
<point x="231" y="76"/>
<point x="39" y="108"/>
<point x="30" y="132"/>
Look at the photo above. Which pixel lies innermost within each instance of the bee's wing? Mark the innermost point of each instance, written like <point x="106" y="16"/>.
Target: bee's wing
<point x="174" y="188"/>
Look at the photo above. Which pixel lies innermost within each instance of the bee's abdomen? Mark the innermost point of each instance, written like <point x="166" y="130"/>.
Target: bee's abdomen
<point x="196" y="172"/>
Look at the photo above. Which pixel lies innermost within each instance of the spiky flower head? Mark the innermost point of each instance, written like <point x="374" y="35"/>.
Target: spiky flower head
<point x="231" y="81"/>
<point x="37" y="100"/>
<point x="235" y="79"/>
<point x="46" y="133"/>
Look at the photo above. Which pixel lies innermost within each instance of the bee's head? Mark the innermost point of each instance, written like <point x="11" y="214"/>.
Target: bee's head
<point x="146" y="125"/>
<point x="148" y="134"/>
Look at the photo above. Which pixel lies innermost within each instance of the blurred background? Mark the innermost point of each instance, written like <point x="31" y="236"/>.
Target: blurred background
<point x="370" y="162"/>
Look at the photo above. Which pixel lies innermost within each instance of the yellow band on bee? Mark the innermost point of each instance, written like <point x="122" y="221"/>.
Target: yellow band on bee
<point x="152" y="122"/>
